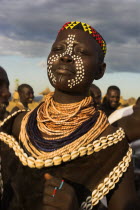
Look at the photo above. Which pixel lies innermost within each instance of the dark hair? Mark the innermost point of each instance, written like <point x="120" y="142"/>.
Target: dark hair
<point x="4" y="77"/>
<point x="22" y="86"/>
<point x="138" y="101"/>
<point x="113" y="87"/>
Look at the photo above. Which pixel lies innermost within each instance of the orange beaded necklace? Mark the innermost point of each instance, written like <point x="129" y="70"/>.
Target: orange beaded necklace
<point x="57" y="121"/>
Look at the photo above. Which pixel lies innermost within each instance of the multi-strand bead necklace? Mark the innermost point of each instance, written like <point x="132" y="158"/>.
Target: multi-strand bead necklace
<point x="61" y="128"/>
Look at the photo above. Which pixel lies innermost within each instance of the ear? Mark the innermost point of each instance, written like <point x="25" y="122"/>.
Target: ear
<point x="100" y="71"/>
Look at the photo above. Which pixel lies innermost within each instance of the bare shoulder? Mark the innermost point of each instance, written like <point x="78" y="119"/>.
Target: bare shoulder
<point x="17" y="124"/>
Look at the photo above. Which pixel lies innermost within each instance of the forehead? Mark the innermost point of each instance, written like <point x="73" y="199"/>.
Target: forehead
<point x="80" y="36"/>
<point x="27" y="89"/>
<point x="114" y="93"/>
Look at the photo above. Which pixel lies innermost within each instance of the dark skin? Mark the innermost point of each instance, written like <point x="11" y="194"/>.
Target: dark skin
<point x="124" y="197"/>
<point x="63" y="94"/>
<point x="26" y="96"/>
<point x="96" y="94"/>
<point x="111" y="101"/>
<point x="131" y="124"/>
<point x="113" y="97"/>
<point x="66" y="193"/>
<point x="4" y="95"/>
<point x="94" y="69"/>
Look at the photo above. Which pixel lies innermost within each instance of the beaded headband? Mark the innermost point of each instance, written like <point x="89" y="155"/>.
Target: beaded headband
<point x="87" y="28"/>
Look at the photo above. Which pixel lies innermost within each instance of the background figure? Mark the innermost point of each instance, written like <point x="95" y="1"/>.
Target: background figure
<point x="120" y="113"/>
<point x="131" y="123"/>
<point x="26" y="95"/>
<point x="96" y="94"/>
<point x="111" y="100"/>
<point x="4" y="94"/>
<point x="131" y="126"/>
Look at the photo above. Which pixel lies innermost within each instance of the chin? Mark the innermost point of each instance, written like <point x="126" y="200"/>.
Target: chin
<point x="114" y="107"/>
<point x="62" y="85"/>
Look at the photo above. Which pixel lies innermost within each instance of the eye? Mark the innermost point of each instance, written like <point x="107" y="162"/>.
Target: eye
<point x="58" y="48"/>
<point x="81" y="51"/>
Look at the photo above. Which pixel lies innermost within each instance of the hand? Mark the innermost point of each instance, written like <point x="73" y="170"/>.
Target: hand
<point x="58" y="195"/>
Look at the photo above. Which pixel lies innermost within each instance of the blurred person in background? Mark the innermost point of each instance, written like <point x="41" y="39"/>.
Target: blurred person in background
<point x="96" y="94"/>
<point x="131" y="123"/>
<point x="26" y="96"/>
<point x="111" y="100"/>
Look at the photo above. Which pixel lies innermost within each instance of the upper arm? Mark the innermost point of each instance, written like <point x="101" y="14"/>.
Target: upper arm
<point x="17" y="124"/>
<point x="124" y="197"/>
<point x="131" y="127"/>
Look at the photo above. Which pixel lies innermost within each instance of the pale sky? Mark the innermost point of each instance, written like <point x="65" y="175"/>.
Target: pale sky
<point x="28" y="28"/>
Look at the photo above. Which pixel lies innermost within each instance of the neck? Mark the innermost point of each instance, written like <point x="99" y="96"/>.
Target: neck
<point x="65" y="97"/>
<point x="24" y="104"/>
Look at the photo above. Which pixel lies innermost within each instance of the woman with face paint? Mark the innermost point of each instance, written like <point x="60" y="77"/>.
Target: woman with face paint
<point x="67" y="137"/>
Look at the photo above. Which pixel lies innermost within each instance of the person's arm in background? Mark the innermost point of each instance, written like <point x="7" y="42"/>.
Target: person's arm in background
<point x="131" y="127"/>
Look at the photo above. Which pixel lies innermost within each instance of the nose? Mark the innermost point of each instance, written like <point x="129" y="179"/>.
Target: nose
<point x="116" y="99"/>
<point x="66" y="59"/>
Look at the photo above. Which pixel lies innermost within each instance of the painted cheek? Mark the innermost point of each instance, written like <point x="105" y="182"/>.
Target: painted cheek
<point x="80" y="71"/>
<point x="50" y="63"/>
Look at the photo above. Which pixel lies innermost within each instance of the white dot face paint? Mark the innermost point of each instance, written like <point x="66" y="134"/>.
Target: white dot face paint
<point x="80" y="72"/>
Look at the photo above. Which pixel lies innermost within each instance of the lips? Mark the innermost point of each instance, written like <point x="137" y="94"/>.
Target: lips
<point x="64" y="70"/>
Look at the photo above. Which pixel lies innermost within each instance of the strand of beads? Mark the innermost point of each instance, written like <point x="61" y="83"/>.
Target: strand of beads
<point x="57" y="121"/>
<point x="57" y="160"/>
<point x="113" y="177"/>
<point x="1" y="124"/>
<point x="10" y="116"/>
<point x="81" y="140"/>
<point x="108" y="183"/>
